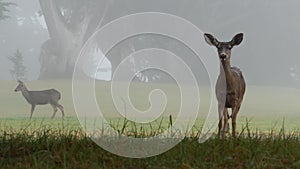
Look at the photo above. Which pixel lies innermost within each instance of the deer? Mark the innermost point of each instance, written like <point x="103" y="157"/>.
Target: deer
<point x="43" y="97"/>
<point x="231" y="95"/>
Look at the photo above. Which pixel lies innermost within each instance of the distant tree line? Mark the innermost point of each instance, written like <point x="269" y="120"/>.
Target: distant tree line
<point x="18" y="71"/>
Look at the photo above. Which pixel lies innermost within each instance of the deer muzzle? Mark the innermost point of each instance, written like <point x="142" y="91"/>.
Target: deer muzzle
<point x="223" y="56"/>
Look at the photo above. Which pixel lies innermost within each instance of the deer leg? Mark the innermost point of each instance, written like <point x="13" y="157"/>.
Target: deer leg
<point x="234" y="116"/>
<point x="54" y="110"/>
<point x="220" y="110"/>
<point x="32" y="109"/>
<point x="228" y="117"/>
<point x="62" y="110"/>
<point x="225" y="112"/>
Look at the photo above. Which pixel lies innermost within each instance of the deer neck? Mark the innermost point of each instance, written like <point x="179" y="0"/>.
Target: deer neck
<point x="26" y="94"/>
<point x="225" y="71"/>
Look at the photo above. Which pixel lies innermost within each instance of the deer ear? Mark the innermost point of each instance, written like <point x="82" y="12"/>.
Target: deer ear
<point x="210" y="39"/>
<point x="237" y="39"/>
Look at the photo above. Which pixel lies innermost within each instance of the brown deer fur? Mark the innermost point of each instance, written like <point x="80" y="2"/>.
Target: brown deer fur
<point x="230" y="96"/>
<point x="50" y="96"/>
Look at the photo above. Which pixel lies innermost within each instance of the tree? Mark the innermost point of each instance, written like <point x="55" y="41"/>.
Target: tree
<point x="4" y="10"/>
<point x="19" y="70"/>
<point x="70" y="23"/>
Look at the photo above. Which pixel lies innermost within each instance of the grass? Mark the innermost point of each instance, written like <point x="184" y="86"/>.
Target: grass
<point x="265" y="107"/>
<point x="268" y="127"/>
<point x="46" y="147"/>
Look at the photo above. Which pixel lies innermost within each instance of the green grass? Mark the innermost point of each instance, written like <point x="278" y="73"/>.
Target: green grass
<point x="46" y="147"/>
<point x="268" y="129"/>
<point x="264" y="107"/>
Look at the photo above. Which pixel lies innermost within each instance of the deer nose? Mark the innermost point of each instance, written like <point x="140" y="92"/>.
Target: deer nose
<point x="223" y="56"/>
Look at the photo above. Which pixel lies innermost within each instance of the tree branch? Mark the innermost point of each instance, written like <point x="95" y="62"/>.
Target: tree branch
<point x="56" y="23"/>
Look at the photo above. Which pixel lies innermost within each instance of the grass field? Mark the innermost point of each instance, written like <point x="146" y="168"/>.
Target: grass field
<point x="45" y="147"/>
<point x="265" y="108"/>
<point x="269" y="123"/>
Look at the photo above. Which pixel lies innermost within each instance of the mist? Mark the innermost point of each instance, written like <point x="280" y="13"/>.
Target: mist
<point x="267" y="56"/>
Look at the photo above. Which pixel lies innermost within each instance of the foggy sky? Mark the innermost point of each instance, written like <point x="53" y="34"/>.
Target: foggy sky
<point x="269" y="53"/>
<point x="22" y="31"/>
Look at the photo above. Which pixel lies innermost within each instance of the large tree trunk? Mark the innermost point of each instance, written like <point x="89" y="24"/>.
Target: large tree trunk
<point x="67" y="37"/>
<point x="59" y="53"/>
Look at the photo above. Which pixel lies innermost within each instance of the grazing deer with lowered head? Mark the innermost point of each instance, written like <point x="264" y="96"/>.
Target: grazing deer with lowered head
<point x="233" y="78"/>
<point x="43" y="97"/>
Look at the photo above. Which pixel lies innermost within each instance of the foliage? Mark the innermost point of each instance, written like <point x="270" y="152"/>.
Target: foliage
<point x="4" y="9"/>
<point x="74" y="10"/>
<point x="19" y="70"/>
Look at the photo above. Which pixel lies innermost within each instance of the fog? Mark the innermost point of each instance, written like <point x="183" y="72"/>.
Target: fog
<point x="269" y="54"/>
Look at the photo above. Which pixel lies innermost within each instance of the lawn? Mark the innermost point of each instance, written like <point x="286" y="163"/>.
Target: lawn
<point x="264" y="108"/>
<point x="268" y="127"/>
<point x="45" y="147"/>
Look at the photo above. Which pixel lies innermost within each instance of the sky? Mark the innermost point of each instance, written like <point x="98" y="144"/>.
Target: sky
<point x="25" y="31"/>
<point x="268" y="55"/>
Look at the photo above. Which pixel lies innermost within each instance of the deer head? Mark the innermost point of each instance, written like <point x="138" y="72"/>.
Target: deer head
<point x="224" y="48"/>
<point x="20" y="87"/>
